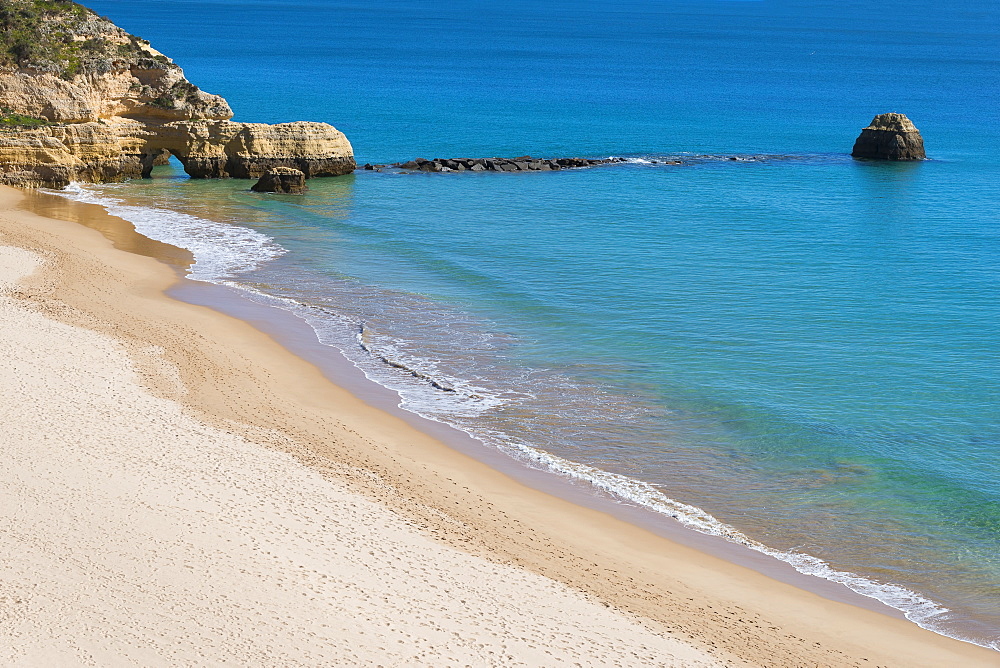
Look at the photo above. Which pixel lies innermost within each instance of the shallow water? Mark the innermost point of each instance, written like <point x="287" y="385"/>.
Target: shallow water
<point x="802" y="346"/>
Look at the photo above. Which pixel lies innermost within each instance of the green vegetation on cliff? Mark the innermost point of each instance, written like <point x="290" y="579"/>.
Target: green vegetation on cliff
<point x="9" y="119"/>
<point x="64" y="38"/>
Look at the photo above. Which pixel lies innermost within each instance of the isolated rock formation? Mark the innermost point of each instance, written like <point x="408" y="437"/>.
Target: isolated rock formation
<point x="890" y="137"/>
<point x="281" y="180"/>
<point x="83" y="100"/>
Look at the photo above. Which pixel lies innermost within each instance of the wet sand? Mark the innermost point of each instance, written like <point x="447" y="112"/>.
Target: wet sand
<point x="185" y="490"/>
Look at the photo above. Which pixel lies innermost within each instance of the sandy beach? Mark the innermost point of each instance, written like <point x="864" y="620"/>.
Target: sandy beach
<point x="180" y="489"/>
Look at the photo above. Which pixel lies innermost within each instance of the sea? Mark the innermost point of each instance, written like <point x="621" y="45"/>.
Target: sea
<point x="740" y="327"/>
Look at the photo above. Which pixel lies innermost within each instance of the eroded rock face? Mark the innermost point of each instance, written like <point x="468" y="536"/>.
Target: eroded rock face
<point x="117" y="107"/>
<point x="118" y="149"/>
<point x="82" y="67"/>
<point x="890" y="137"/>
<point x="250" y="149"/>
<point x="55" y="155"/>
<point x="281" y="180"/>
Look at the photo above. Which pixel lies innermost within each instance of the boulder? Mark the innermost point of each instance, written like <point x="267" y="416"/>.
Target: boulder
<point x="281" y="180"/>
<point x="890" y="137"/>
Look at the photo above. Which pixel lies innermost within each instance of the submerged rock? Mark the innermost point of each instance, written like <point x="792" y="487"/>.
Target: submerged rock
<point x="890" y="137"/>
<point x="281" y="180"/>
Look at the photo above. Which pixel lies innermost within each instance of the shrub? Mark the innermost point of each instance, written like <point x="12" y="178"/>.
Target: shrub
<point x="8" y="119"/>
<point x="41" y="34"/>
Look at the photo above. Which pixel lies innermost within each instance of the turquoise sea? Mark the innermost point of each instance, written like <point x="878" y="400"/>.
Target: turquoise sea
<point x="791" y="348"/>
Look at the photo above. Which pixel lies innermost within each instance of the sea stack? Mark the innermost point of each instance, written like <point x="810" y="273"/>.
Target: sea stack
<point x="281" y="180"/>
<point x="890" y="137"/>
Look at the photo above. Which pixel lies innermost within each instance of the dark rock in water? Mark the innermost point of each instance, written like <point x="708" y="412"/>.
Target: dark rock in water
<point x="524" y="163"/>
<point x="281" y="180"/>
<point x="368" y="166"/>
<point x="890" y="137"/>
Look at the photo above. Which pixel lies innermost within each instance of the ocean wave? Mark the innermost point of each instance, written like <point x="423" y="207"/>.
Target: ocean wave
<point x="673" y="159"/>
<point x="915" y="607"/>
<point x="423" y="387"/>
<point x="223" y="252"/>
<point x="220" y="251"/>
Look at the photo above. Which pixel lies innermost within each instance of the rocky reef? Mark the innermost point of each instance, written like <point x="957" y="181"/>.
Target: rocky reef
<point x="890" y="137"/>
<point x="83" y="100"/>
<point x="524" y="163"/>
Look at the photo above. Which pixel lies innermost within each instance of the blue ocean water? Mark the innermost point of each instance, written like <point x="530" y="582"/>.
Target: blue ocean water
<point x="793" y="348"/>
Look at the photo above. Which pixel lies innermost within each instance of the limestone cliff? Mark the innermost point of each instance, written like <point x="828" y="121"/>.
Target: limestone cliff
<point x="890" y="137"/>
<point x="83" y="100"/>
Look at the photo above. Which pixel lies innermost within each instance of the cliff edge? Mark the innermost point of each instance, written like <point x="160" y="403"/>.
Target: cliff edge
<point x="83" y="100"/>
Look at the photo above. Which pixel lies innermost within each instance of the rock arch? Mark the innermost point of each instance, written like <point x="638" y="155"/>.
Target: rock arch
<point x="119" y="149"/>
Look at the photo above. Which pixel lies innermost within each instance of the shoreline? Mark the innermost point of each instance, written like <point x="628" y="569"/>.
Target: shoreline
<point x="298" y="337"/>
<point x="629" y="499"/>
<point x="420" y="477"/>
<point x="625" y="498"/>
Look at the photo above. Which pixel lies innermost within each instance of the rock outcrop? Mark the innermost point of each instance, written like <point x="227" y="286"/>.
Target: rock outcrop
<point x="281" y="180"/>
<point x="82" y="100"/>
<point x="890" y="137"/>
<point x="524" y="163"/>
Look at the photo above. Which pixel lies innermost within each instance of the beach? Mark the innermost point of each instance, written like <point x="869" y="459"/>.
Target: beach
<point x="182" y="490"/>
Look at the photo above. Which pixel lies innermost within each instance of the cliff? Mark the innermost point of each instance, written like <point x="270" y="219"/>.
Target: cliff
<point x="890" y="137"/>
<point x="83" y="100"/>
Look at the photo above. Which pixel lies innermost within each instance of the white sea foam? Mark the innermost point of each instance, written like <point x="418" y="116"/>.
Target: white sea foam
<point x="223" y="252"/>
<point x="915" y="607"/>
<point x="220" y="251"/>
<point x="635" y="161"/>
